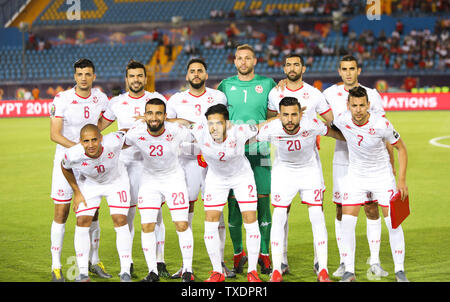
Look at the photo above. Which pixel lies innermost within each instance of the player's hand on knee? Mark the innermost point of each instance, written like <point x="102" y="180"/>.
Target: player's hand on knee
<point x="77" y="200"/>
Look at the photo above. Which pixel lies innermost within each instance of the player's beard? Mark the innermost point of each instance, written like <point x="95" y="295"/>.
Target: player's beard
<point x="197" y="85"/>
<point x="139" y="89"/>
<point x="295" y="77"/>
<point x="294" y="129"/>
<point x="156" y="128"/>
<point x="249" y="70"/>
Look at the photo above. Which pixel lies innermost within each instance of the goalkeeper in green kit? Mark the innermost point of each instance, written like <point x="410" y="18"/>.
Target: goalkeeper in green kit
<point x="247" y="95"/>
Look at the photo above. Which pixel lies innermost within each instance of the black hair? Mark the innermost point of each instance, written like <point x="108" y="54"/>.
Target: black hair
<point x="349" y="58"/>
<point x="156" y="101"/>
<point x="83" y="63"/>
<point x="218" y="109"/>
<point x="358" y="92"/>
<point x="293" y="55"/>
<point x="196" y="60"/>
<point x="289" y="101"/>
<point x="135" y="65"/>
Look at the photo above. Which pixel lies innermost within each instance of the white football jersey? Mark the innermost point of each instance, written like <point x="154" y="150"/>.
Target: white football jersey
<point x="294" y="150"/>
<point x="160" y="153"/>
<point x="103" y="169"/>
<point x="187" y="106"/>
<point x="124" y="108"/>
<point x="336" y="97"/>
<point x="228" y="158"/>
<point x="366" y="143"/>
<point x="77" y="111"/>
<point x="307" y="95"/>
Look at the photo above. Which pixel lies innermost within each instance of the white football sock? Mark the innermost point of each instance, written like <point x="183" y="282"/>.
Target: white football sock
<point x="94" y="233"/>
<point x="123" y="244"/>
<point x="160" y="233"/>
<point x="222" y="236"/>
<point x="149" y="248"/>
<point x="374" y="239"/>
<point x="82" y="246"/>
<point x="397" y="242"/>
<point x="348" y="225"/>
<point x="285" y="244"/>
<point x="320" y="235"/>
<point x="130" y="221"/>
<point x="212" y="243"/>
<point x="253" y="240"/>
<point x="338" y="232"/>
<point x="277" y="236"/>
<point x="186" y="241"/>
<point x="57" y="237"/>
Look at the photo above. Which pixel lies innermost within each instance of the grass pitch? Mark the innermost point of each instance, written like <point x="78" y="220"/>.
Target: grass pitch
<point x="26" y="212"/>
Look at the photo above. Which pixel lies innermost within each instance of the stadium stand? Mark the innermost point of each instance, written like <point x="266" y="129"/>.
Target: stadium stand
<point x="410" y="39"/>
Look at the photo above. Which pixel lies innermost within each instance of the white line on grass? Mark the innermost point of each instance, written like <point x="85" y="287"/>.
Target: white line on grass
<point x="434" y="142"/>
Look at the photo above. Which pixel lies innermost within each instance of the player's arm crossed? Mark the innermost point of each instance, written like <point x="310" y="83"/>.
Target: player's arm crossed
<point x="56" y="126"/>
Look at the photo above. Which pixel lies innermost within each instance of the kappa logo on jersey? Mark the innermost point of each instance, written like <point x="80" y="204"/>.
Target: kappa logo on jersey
<point x="84" y="164"/>
<point x="372" y="131"/>
<point x="110" y="155"/>
<point x="348" y="127"/>
<point x="233" y="88"/>
<point x="207" y="145"/>
<point x="141" y="138"/>
<point x="200" y="127"/>
<point x="184" y="101"/>
<point x="169" y="137"/>
<point x="339" y="94"/>
<point x="281" y="96"/>
<point x="124" y="103"/>
<point x="74" y="102"/>
<point x="259" y="89"/>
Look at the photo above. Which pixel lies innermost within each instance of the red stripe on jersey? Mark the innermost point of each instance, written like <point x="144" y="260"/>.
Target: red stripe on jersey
<point x="106" y="118"/>
<point x="88" y="209"/>
<point x="62" y="200"/>
<point x="295" y="89"/>
<point x="58" y="116"/>
<point x="395" y="142"/>
<point x="197" y="96"/>
<point x="135" y="97"/>
<point x="192" y="201"/>
<point x="252" y="201"/>
<point x="173" y="209"/>
<point x="82" y="97"/>
<point x="217" y="205"/>
<point x="119" y="207"/>
<point x="325" y="111"/>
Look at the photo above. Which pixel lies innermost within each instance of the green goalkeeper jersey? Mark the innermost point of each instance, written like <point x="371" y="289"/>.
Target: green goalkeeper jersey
<point x="247" y="103"/>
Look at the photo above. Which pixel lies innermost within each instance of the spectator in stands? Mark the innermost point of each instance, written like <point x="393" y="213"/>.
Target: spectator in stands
<point x="35" y="92"/>
<point x="2" y="92"/>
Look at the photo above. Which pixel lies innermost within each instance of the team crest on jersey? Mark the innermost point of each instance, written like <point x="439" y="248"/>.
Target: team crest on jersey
<point x="305" y="133"/>
<point x="259" y="89"/>
<point x="110" y="155"/>
<point x="339" y="94"/>
<point x="95" y="99"/>
<point x="232" y="144"/>
<point x="372" y="131"/>
<point x="207" y="145"/>
<point x="348" y="127"/>
<point x="306" y="95"/>
<point x="281" y="96"/>
<point x="210" y="99"/>
<point x="169" y="137"/>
